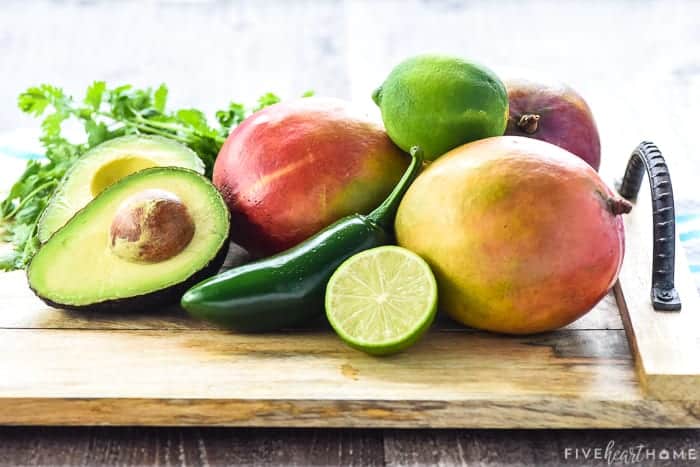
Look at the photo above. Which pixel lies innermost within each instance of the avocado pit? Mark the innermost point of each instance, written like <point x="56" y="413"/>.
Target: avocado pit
<point x="150" y="227"/>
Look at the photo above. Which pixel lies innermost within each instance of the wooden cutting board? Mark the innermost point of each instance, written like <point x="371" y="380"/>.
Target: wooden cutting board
<point x="622" y="365"/>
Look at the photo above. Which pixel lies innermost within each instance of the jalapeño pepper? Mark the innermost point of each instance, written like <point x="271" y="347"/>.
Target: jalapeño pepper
<point x="288" y="288"/>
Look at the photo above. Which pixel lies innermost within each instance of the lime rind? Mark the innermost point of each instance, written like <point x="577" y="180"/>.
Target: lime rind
<point x="382" y="300"/>
<point x="440" y="102"/>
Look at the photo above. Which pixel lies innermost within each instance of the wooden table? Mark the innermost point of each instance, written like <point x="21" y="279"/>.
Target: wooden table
<point x="219" y="446"/>
<point x="638" y="64"/>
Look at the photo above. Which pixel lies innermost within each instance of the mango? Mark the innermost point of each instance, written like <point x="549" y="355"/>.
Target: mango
<point x="523" y="236"/>
<point x="293" y="168"/>
<point x="555" y="113"/>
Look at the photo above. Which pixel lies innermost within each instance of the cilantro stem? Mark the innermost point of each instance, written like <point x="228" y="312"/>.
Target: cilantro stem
<point x="163" y="125"/>
<point x="105" y="113"/>
<point x="156" y="131"/>
<point x="142" y="124"/>
<point x="176" y="128"/>
<point x="173" y="131"/>
<point x="31" y="195"/>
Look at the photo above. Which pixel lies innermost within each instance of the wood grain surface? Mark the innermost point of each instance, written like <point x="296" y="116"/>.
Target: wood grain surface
<point x="172" y="371"/>
<point x="665" y="350"/>
<point x="182" y="447"/>
<point x="109" y="446"/>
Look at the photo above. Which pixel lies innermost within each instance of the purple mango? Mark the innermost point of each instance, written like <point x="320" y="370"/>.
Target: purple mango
<point x="554" y="113"/>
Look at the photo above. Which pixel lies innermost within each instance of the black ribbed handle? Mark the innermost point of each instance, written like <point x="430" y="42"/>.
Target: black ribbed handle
<point x="647" y="157"/>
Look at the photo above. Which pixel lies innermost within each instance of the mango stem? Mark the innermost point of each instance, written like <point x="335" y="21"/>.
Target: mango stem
<point x="529" y="123"/>
<point x="619" y="206"/>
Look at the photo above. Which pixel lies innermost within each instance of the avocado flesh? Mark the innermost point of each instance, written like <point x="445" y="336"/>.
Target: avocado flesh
<point x="77" y="269"/>
<point x="106" y="164"/>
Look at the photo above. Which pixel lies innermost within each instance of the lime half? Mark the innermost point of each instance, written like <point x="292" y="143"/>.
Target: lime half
<point x="382" y="300"/>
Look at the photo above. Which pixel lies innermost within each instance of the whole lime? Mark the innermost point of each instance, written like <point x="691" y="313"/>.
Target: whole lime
<point x="440" y="102"/>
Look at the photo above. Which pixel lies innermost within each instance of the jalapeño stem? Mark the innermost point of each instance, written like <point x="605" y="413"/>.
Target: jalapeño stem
<point x="384" y="214"/>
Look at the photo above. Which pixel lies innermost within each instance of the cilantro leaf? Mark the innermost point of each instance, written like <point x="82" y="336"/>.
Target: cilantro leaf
<point x="104" y="113"/>
<point x="266" y="100"/>
<point x="93" y="95"/>
<point x="160" y="98"/>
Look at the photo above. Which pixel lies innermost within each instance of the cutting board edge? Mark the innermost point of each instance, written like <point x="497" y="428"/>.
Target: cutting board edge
<point x="517" y="413"/>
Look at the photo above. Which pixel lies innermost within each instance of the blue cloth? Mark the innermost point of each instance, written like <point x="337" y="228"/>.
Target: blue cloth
<point x="688" y="227"/>
<point x="17" y="147"/>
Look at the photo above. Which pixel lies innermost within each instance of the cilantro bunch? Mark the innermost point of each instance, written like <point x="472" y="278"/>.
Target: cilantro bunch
<point x="104" y="113"/>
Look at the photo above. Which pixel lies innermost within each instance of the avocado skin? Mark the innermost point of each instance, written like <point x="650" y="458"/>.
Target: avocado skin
<point x="146" y="302"/>
<point x="44" y="232"/>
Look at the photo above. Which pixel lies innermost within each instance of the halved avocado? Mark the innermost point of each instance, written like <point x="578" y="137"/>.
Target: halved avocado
<point x="105" y="164"/>
<point x="142" y="242"/>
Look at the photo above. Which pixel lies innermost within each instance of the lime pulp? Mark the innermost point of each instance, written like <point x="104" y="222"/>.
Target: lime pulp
<point x="382" y="300"/>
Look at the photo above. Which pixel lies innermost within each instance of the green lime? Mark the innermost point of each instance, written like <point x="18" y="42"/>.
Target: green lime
<point x="382" y="300"/>
<point x="440" y="102"/>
